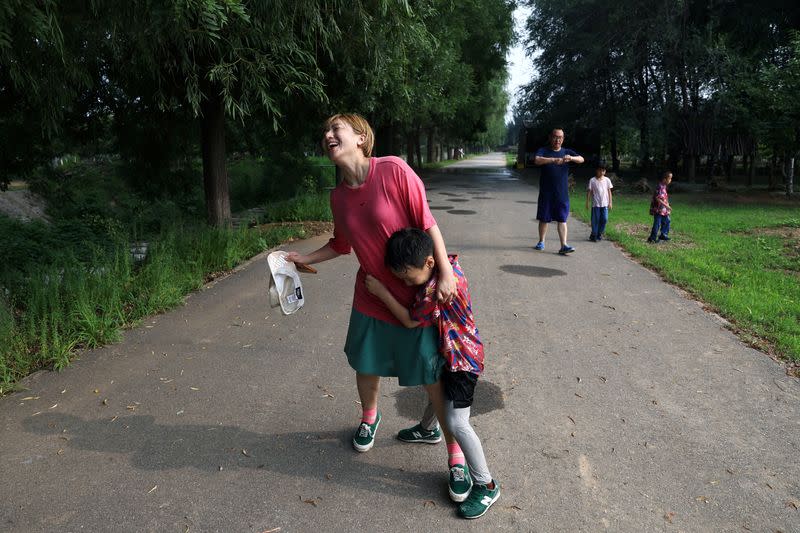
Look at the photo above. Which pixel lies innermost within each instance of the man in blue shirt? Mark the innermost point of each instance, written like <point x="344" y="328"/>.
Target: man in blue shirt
<point x="554" y="188"/>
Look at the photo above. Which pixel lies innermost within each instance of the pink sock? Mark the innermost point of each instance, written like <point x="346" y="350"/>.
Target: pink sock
<point x="454" y="455"/>
<point x="369" y="415"/>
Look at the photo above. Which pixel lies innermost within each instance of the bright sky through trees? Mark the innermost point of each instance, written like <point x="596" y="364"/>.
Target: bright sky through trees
<point x="520" y="67"/>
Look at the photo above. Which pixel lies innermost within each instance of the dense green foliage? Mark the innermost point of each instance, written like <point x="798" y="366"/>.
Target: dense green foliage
<point x="713" y="254"/>
<point x="689" y="82"/>
<point x="163" y="82"/>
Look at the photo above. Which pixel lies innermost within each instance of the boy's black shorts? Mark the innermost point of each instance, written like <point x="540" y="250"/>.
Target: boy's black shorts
<point x="459" y="387"/>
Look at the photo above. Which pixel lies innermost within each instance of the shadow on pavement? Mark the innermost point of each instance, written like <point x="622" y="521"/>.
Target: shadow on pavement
<point x="324" y="455"/>
<point x="410" y="402"/>
<point x="532" y="271"/>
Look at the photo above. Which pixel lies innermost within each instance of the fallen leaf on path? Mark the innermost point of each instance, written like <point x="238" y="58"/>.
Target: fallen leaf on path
<point x="669" y="516"/>
<point x="271" y="530"/>
<point x="311" y="501"/>
<point x="54" y="406"/>
<point x="603" y="379"/>
<point x="151" y="490"/>
<point x="96" y="391"/>
<point x="793" y="503"/>
<point x="429" y="503"/>
<point x="571" y="420"/>
<point x="60" y="451"/>
<point x="327" y="395"/>
<point x="244" y="452"/>
<point x="105" y="401"/>
<point x="328" y="476"/>
<point x="194" y="388"/>
<point x="578" y="395"/>
<point x="26" y="398"/>
<point x="702" y="499"/>
<point x="514" y="507"/>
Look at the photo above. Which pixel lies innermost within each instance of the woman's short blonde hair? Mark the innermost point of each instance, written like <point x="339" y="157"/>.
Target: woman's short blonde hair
<point x="359" y="125"/>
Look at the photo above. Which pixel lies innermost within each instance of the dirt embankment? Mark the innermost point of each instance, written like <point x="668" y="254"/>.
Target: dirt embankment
<point x="22" y="205"/>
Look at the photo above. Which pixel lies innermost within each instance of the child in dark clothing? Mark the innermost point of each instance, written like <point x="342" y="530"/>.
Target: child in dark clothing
<point x="409" y="255"/>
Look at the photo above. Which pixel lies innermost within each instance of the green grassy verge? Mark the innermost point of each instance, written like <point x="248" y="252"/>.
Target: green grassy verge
<point x="69" y="303"/>
<point x="741" y="259"/>
<point x="75" y="284"/>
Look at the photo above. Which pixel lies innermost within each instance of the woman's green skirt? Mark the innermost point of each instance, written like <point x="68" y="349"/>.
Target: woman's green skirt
<point x="378" y="348"/>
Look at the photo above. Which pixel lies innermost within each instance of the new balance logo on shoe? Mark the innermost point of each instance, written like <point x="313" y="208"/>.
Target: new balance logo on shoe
<point x="487" y="500"/>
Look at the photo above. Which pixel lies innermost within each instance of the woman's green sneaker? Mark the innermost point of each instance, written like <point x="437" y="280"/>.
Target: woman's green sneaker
<point x="420" y="434"/>
<point x="479" y="501"/>
<point x="460" y="483"/>
<point x="364" y="437"/>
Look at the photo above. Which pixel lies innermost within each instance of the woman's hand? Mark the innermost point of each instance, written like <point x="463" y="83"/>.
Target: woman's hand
<point x="446" y="287"/>
<point x="295" y="257"/>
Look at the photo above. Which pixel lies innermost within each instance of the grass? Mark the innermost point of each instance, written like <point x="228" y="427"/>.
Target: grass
<point x="433" y="165"/>
<point x="511" y="159"/>
<point x="74" y="284"/>
<point x="742" y="259"/>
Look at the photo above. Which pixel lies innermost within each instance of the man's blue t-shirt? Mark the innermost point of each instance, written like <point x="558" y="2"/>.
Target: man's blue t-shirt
<point x="553" y="178"/>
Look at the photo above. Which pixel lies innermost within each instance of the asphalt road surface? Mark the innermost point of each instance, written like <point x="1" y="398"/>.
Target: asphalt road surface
<point x="610" y="401"/>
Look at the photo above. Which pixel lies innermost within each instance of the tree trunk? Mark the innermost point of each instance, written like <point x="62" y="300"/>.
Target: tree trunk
<point x="410" y="149"/>
<point x="614" y="147"/>
<point x="215" y="174"/>
<point x="730" y="166"/>
<point x="417" y="145"/>
<point x="430" y="147"/>
<point x="689" y="167"/>
<point x="711" y="165"/>
<point x="790" y="178"/>
<point x="751" y="172"/>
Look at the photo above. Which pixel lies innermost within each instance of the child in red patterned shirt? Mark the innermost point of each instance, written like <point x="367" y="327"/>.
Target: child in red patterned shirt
<point x="409" y="255"/>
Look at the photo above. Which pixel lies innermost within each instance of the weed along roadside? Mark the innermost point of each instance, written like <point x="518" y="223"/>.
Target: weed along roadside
<point x="76" y="282"/>
<point x="740" y="257"/>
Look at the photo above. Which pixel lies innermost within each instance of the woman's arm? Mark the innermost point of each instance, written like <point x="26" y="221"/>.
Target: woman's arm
<point x="322" y="254"/>
<point x="400" y="313"/>
<point x="446" y="288"/>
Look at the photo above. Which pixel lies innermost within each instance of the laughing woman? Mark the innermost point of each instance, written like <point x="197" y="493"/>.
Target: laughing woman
<point x="377" y="196"/>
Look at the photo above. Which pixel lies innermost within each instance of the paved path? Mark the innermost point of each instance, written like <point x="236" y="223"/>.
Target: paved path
<point x="610" y="402"/>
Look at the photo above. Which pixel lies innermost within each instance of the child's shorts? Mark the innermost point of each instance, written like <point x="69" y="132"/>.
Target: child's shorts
<point x="459" y="387"/>
<point x="377" y="348"/>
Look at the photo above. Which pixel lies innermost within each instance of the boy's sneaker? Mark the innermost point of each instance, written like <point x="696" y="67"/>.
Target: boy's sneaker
<point x="539" y="246"/>
<point x="653" y="241"/>
<point x="566" y="249"/>
<point x="663" y="238"/>
<point x="364" y="437"/>
<point x="592" y="237"/>
<point x="479" y="501"/>
<point x="420" y="434"/>
<point x="460" y="483"/>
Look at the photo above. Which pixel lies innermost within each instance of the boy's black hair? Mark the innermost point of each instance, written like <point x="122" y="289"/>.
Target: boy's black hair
<point x="408" y="247"/>
<point x="601" y="163"/>
<point x="665" y="174"/>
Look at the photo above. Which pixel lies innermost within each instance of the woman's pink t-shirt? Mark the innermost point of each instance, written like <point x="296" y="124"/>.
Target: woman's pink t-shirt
<point x="364" y="217"/>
